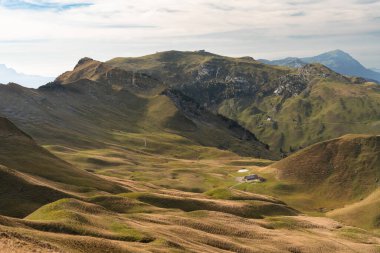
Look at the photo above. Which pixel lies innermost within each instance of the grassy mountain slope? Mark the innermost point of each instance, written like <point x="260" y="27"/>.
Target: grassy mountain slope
<point x="343" y="170"/>
<point x="329" y="109"/>
<point x="97" y="106"/>
<point x="365" y="213"/>
<point x="285" y="108"/>
<point x="164" y="132"/>
<point x="21" y="196"/>
<point x="31" y="176"/>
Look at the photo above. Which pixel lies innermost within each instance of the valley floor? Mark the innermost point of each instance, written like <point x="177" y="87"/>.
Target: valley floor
<point x="179" y="205"/>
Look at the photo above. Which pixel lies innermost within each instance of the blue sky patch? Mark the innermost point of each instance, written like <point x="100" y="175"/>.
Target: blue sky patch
<point x="41" y="5"/>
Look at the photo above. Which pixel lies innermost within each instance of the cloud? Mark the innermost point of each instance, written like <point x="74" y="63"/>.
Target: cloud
<point x="304" y="2"/>
<point x="61" y="31"/>
<point x="168" y="10"/>
<point x="298" y="14"/>
<point x="125" y="26"/>
<point x="27" y="41"/>
<point x="367" y="1"/>
<point x="221" y="7"/>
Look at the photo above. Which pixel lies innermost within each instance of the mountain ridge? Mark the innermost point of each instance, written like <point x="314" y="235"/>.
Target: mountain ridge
<point x="337" y="60"/>
<point x="125" y="101"/>
<point x="257" y="95"/>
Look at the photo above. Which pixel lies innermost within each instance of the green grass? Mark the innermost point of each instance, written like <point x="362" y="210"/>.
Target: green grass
<point x="331" y="107"/>
<point x="200" y="174"/>
<point x="364" y="214"/>
<point x="81" y="218"/>
<point x="26" y="156"/>
<point x="357" y="235"/>
<point x="247" y="209"/>
<point x="282" y="223"/>
<point x="330" y="110"/>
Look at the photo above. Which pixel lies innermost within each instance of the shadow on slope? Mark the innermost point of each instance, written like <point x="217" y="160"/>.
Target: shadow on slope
<point x="34" y="174"/>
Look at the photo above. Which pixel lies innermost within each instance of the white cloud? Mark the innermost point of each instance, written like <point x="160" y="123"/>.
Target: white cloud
<point x="49" y="40"/>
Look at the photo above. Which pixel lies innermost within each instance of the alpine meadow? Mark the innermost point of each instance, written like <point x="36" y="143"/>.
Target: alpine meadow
<point x="193" y="126"/>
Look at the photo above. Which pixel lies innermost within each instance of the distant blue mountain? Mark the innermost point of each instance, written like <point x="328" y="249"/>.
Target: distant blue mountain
<point x="9" y="75"/>
<point x="337" y="60"/>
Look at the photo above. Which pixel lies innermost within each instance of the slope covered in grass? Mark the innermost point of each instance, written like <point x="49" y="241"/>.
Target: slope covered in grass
<point x="32" y="177"/>
<point x="364" y="214"/>
<point x="338" y="171"/>
<point x="72" y="216"/>
<point x="19" y="152"/>
<point x="19" y="195"/>
<point x="248" y="208"/>
<point x="94" y="105"/>
<point x="285" y="108"/>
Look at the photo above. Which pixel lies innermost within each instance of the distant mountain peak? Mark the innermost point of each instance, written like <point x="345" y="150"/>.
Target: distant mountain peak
<point x="337" y="60"/>
<point x="337" y="55"/>
<point x="338" y="52"/>
<point x="9" y="75"/>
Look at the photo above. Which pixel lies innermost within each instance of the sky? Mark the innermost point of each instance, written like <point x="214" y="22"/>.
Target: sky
<point x="48" y="37"/>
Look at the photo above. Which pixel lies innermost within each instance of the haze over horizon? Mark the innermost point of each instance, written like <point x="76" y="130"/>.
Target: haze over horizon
<point x="46" y="37"/>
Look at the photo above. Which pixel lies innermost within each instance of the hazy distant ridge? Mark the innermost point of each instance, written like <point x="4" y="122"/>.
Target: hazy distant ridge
<point x="337" y="60"/>
<point x="9" y="75"/>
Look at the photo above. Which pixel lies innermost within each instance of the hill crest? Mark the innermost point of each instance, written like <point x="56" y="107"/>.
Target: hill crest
<point x="346" y="168"/>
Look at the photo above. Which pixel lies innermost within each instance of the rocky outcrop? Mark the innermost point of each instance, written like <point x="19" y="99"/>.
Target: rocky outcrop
<point x="290" y="85"/>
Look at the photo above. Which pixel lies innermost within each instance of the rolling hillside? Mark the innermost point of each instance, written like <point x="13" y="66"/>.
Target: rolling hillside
<point x="285" y="108"/>
<point x="161" y="145"/>
<point x="338" y="172"/>
<point x="364" y="213"/>
<point x="97" y="106"/>
<point x="32" y="177"/>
